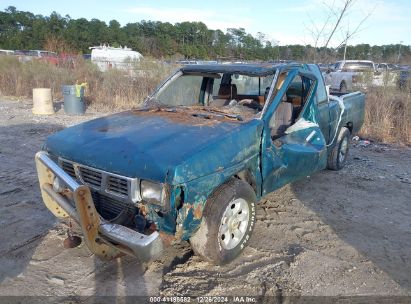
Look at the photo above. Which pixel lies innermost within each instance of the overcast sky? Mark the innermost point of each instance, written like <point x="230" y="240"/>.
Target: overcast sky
<point x="288" y="22"/>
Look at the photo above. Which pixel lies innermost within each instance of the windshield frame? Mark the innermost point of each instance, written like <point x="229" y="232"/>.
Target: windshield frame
<point x="270" y="94"/>
<point x="178" y="73"/>
<point x="165" y="83"/>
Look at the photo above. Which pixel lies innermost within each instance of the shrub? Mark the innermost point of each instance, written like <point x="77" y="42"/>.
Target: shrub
<point x="387" y="115"/>
<point x="112" y="89"/>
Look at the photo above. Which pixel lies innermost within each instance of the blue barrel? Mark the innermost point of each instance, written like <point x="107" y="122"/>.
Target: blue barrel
<point x="73" y="100"/>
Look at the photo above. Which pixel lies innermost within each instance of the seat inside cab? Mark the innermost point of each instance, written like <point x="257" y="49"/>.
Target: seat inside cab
<point x="290" y="106"/>
<point x="234" y="89"/>
<point x="251" y="93"/>
<point x="226" y="93"/>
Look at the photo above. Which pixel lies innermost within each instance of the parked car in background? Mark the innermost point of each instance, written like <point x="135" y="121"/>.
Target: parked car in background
<point x="6" y="52"/>
<point x="28" y="55"/>
<point x="68" y="60"/>
<point x="324" y="67"/>
<point x="187" y="62"/>
<point x="383" y="67"/>
<point x="348" y="73"/>
<point x="23" y="55"/>
<point x="47" y="56"/>
<point x="404" y="77"/>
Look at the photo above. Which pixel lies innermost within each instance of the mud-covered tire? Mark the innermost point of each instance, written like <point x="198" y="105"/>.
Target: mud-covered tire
<point x="210" y="241"/>
<point x="338" y="155"/>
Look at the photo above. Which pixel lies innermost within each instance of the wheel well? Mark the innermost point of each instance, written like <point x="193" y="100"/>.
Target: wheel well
<point x="248" y="177"/>
<point x="349" y="126"/>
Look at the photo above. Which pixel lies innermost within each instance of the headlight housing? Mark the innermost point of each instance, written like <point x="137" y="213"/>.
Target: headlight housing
<point x="153" y="193"/>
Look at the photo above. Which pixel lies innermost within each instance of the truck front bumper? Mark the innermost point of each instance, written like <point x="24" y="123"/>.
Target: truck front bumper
<point x="74" y="200"/>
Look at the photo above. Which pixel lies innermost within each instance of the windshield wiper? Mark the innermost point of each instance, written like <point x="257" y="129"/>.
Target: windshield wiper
<point x="153" y="103"/>
<point x="234" y="116"/>
<point x="218" y="113"/>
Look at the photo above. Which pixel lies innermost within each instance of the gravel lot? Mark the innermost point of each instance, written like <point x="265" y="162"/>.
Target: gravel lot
<point x="333" y="233"/>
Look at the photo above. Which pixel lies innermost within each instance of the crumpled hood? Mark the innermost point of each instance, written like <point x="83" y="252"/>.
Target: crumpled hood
<point x="166" y="147"/>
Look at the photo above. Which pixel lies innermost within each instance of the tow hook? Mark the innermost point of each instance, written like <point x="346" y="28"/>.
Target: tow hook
<point x="71" y="241"/>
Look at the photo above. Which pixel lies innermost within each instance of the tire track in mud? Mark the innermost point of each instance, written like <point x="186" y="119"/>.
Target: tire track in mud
<point x="254" y="272"/>
<point x="257" y="271"/>
<point x="24" y="245"/>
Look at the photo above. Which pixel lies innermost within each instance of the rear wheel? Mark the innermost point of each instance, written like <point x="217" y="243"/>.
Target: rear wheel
<point x="228" y="221"/>
<point x="343" y="87"/>
<point x="338" y="156"/>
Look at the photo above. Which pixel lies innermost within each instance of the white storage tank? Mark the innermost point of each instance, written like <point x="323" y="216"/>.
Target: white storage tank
<point x="107" y="57"/>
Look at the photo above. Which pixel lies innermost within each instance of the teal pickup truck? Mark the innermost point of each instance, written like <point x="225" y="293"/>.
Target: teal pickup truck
<point x="193" y="161"/>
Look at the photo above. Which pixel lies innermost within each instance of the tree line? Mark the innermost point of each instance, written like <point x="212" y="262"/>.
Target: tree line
<point x="20" y="30"/>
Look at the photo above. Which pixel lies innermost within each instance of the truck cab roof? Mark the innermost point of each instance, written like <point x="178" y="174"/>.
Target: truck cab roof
<point x="255" y="69"/>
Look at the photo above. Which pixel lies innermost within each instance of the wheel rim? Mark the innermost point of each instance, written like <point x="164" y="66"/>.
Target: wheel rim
<point x="234" y="223"/>
<point x="343" y="150"/>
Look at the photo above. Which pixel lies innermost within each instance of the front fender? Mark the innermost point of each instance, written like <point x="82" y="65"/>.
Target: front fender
<point x="196" y="193"/>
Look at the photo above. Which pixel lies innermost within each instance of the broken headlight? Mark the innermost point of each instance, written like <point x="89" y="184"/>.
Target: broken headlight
<point x="153" y="193"/>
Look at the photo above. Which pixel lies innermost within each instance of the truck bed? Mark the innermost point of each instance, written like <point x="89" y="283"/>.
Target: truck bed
<point x="353" y="109"/>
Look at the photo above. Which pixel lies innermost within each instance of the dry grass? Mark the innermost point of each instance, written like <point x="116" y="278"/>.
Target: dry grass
<point x="387" y="117"/>
<point x="112" y="89"/>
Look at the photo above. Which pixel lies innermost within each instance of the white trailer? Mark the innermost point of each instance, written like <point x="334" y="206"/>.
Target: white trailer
<point x="107" y="57"/>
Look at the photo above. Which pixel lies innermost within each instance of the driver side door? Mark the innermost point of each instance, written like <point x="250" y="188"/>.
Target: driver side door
<point x="301" y="150"/>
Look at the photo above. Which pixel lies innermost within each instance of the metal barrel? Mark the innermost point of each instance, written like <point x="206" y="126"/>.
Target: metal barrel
<point x="73" y="100"/>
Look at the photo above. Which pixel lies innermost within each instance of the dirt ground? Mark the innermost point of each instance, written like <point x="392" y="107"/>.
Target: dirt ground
<point x="334" y="233"/>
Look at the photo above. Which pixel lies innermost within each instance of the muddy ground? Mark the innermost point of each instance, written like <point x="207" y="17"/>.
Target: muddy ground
<point x="333" y="233"/>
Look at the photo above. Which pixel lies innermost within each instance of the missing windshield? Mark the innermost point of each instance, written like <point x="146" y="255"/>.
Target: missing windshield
<point x="234" y="95"/>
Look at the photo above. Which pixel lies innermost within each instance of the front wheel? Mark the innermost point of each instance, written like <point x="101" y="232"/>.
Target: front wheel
<point x="228" y="221"/>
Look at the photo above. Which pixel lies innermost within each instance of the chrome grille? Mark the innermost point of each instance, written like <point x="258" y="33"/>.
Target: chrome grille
<point x="108" y="184"/>
<point x="68" y="167"/>
<point x="110" y="208"/>
<point x="117" y="185"/>
<point x="90" y="177"/>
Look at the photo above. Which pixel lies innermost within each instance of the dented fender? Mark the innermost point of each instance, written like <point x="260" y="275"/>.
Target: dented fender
<point x="188" y="200"/>
<point x="196" y="193"/>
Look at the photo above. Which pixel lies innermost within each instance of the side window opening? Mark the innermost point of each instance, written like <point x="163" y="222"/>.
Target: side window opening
<point x="291" y="105"/>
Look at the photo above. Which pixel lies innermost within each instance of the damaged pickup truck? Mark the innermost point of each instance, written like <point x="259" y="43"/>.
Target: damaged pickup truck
<point x="194" y="160"/>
